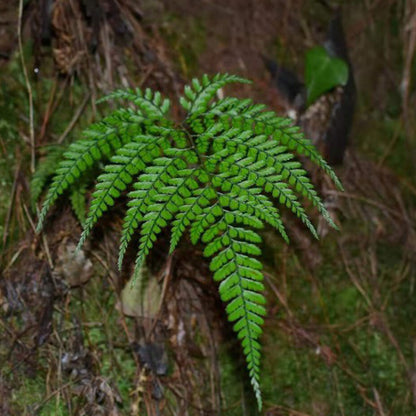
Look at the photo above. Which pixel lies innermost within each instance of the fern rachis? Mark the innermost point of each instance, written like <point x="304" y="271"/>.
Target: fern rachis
<point x="218" y="174"/>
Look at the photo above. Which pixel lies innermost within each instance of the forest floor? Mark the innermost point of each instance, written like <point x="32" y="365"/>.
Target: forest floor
<point x="339" y="337"/>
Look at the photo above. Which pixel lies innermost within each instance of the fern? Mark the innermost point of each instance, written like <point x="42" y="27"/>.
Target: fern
<point x="46" y="168"/>
<point x="77" y="198"/>
<point x="43" y="172"/>
<point x="221" y="174"/>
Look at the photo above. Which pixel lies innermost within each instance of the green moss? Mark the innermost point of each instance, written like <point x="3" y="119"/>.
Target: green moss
<point x="15" y="150"/>
<point x="236" y="395"/>
<point x="29" y="399"/>
<point x="116" y="362"/>
<point x="187" y="40"/>
<point x="384" y="140"/>
<point x="12" y="100"/>
<point x="336" y="354"/>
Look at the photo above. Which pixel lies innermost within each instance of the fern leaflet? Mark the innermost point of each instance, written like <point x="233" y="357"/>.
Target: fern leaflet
<point x="45" y="169"/>
<point x="78" y="202"/>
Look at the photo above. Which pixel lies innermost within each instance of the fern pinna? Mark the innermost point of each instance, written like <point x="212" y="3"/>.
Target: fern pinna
<point x="218" y="174"/>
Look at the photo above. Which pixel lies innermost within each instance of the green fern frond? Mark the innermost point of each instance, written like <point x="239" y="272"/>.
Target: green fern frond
<point x="103" y="139"/>
<point x="199" y="94"/>
<point x="78" y="202"/>
<point x="261" y="148"/>
<point x="240" y="278"/>
<point x="191" y="208"/>
<point x="151" y="104"/>
<point x="43" y="172"/>
<point x="244" y="192"/>
<point x="151" y="188"/>
<point x="221" y="174"/>
<point x="177" y="184"/>
<point x="206" y="219"/>
<point x="128" y="161"/>
<point x="295" y="140"/>
<point x="145" y="188"/>
<point x="243" y="113"/>
<point x="266" y="177"/>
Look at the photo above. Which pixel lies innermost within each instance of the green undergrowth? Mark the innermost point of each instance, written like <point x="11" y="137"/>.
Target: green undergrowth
<point x="54" y="106"/>
<point x="27" y="400"/>
<point x="86" y="325"/>
<point x="235" y="393"/>
<point x="381" y="131"/>
<point x="11" y="101"/>
<point x="386" y="142"/>
<point x="336" y="353"/>
<point x="186" y="38"/>
<point x="110" y="347"/>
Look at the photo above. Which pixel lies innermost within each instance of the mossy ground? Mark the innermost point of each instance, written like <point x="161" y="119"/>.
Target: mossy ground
<point x="340" y="346"/>
<point x="84" y="332"/>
